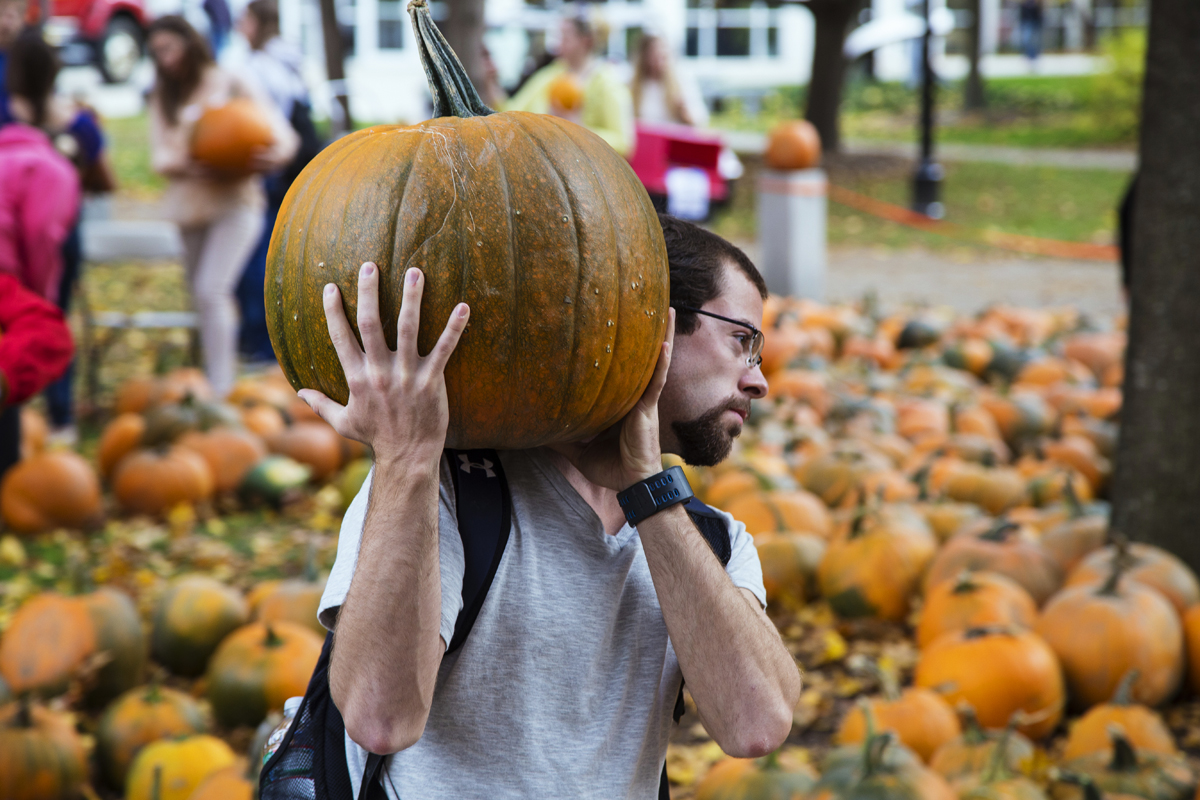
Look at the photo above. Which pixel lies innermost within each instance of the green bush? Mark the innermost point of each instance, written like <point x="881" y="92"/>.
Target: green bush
<point x="1118" y="90"/>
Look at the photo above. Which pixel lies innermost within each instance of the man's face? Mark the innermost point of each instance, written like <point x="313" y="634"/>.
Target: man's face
<point x="707" y="396"/>
<point x="12" y="19"/>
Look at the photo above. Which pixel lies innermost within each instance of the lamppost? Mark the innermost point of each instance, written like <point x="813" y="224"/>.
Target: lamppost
<point x="927" y="182"/>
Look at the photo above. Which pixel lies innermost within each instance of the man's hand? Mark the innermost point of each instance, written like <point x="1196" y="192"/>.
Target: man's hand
<point x="630" y="451"/>
<point x="397" y="402"/>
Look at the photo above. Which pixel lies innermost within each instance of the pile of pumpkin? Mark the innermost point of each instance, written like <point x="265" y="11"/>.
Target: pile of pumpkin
<point x="946" y="473"/>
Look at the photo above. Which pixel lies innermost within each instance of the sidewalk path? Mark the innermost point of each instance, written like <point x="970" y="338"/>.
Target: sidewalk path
<point x="1113" y="160"/>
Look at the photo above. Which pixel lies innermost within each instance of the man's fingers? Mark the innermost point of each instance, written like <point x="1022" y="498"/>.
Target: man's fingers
<point x="659" y="379"/>
<point x="331" y="411"/>
<point x="450" y="336"/>
<point x="369" y="326"/>
<point x="409" y="320"/>
<point x="348" y="351"/>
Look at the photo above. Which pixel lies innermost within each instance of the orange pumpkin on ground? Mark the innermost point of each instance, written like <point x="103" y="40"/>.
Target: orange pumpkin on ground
<point x="227" y="137"/>
<point x="999" y="546"/>
<point x="998" y="780"/>
<point x="263" y="420"/>
<point x="1124" y="772"/>
<point x="1101" y="633"/>
<point x="1148" y="565"/>
<point x="120" y="438"/>
<point x="192" y="617"/>
<point x="313" y="443"/>
<point x="793" y="144"/>
<point x="998" y="672"/>
<point x="921" y="719"/>
<point x="140" y="716"/>
<point x="995" y="489"/>
<point x="874" y="569"/>
<point x="734" y="778"/>
<point x="54" y="489"/>
<point x="836" y="477"/>
<point x="256" y="668"/>
<point x="974" y="600"/>
<point x="293" y="600"/>
<point x="41" y="755"/>
<point x="789" y="565"/>
<point x="947" y="518"/>
<point x="1143" y="727"/>
<point x="47" y="642"/>
<point x="181" y="765"/>
<point x="155" y="481"/>
<point x="767" y="512"/>
<point x="1070" y="541"/>
<point x="1191" y="633"/>
<point x="230" y="454"/>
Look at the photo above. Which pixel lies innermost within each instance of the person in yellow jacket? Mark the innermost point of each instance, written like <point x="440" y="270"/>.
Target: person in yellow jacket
<point x="582" y="88"/>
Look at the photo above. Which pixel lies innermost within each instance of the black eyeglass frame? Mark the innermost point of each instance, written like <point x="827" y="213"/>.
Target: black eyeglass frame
<point x="757" y="337"/>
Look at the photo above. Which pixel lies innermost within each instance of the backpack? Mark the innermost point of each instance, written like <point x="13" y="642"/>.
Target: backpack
<point x="311" y="760"/>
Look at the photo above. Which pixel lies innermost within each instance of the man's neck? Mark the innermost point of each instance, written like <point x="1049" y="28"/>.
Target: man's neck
<point x="602" y="500"/>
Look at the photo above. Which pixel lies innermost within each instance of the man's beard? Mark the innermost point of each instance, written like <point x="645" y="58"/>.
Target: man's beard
<point x="707" y="440"/>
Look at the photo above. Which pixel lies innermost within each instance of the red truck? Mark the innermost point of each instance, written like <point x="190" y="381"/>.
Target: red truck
<point x="110" y="34"/>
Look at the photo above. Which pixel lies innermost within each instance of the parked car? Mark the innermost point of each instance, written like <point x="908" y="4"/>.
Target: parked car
<point x="110" y="34"/>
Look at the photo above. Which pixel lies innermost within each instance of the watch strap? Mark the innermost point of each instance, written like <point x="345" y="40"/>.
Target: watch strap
<point x="647" y="497"/>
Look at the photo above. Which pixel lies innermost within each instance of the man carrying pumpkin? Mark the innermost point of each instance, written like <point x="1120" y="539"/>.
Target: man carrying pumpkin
<point x="566" y="685"/>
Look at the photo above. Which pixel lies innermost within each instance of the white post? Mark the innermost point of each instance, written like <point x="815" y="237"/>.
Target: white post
<point x="792" y="210"/>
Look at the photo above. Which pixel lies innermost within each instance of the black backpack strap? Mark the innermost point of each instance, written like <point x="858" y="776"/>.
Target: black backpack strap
<point x="372" y="782"/>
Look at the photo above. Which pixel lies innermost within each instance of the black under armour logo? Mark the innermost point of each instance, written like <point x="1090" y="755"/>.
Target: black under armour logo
<point x="468" y="465"/>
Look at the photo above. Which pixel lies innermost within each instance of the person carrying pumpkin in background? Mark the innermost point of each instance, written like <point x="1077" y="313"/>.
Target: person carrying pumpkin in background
<point x="582" y="88"/>
<point x="567" y="683"/>
<point x="220" y="215"/>
<point x="35" y="348"/>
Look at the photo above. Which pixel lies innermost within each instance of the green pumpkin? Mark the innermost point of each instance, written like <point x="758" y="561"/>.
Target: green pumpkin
<point x="873" y="772"/>
<point x="192" y="617"/>
<point x="120" y="639"/>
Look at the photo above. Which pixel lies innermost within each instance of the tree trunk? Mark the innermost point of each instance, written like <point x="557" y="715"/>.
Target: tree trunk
<point x="829" y="67"/>
<point x="463" y="29"/>
<point x="1156" y="495"/>
<point x="335" y="68"/>
<point x="973" y="96"/>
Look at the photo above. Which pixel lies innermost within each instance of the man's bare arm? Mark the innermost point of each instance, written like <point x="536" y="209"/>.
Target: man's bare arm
<point x="387" y="648"/>
<point x="744" y="681"/>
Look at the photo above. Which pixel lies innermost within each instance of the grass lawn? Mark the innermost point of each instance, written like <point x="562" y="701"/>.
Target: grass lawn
<point x="1065" y="204"/>
<point x="129" y="148"/>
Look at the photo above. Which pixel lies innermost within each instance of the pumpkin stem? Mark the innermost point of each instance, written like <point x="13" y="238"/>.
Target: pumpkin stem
<point x="453" y="93"/>
<point x="1072" y="498"/>
<point x="997" y="767"/>
<point x="1121" y="563"/>
<point x="1000" y="530"/>
<point x="965" y="582"/>
<point x="887" y="679"/>
<point x="273" y="639"/>
<point x="973" y="733"/>
<point x="1124" y="694"/>
<point x="153" y="691"/>
<point x="24" y="718"/>
<point x="156" y="787"/>
<point x="1090" y="792"/>
<point x="1124" y="756"/>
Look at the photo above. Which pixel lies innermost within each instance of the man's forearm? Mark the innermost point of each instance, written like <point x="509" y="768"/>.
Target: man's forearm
<point x="387" y="647"/>
<point x="744" y="681"/>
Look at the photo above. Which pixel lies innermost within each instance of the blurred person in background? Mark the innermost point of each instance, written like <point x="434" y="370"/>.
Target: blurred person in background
<point x="35" y="348"/>
<point x="39" y="189"/>
<point x="1031" y="17"/>
<point x="661" y="92"/>
<point x="220" y="218"/>
<point x="275" y="65"/>
<point x="491" y="92"/>
<point x="220" y="23"/>
<point x="606" y="107"/>
<point x="12" y="20"/>
<point x="76" y="134"/>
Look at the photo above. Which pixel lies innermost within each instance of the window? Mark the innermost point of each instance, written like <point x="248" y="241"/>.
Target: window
<point x="732" y="29"/>
<point x="733" y="41"/>
<point x="391" y="24"/>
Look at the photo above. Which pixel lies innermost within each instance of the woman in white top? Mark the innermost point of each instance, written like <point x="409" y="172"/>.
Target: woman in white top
<point x="662" y="94"/>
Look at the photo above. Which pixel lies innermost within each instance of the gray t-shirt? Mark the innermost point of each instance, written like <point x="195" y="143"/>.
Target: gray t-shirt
<point x="566" y="685"/>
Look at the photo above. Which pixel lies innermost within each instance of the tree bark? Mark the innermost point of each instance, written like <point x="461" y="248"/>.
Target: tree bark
<point x="463" y="29"/>
<point x="973" y="95"/>
<point x="335" y="68"/>
<point x="1156" y="495"/>
<point x="829" y="68"/>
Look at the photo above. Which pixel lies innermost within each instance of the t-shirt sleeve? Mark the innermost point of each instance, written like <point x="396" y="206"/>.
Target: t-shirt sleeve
<point x="450" y="552"/>
<point x="744" y="568"/>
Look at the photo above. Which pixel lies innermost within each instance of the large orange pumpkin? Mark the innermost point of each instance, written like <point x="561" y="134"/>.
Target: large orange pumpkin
<point x="1001" y="546"/>
<point x="972" y="600"/>
<point x="41" y="756"/>
<point x="313" y="443"/>
<point x="1147" y="565"/>
<point x="1125" y="771"/>
<point x="257" y="668"/>
<point x="50" y="490"/>
<point x="293" y="600"/>
<point x="921" y="719"/>
<point x="47" y="642"/>
<point x="139" y="717"/>
<point x="1144" y="728"/>
<point x="230" y="454"/>
<point x="1100" y="633"/>
<point x="793" y="144"/>
<point x="998" y="672"/>
<point x="536" y="223"/>
<point x="155" y="481"/>
<point x="766" y="512"/>
<point x="226" y="137"/>
<point x="789" y="565"/>
<point x="120" y="438"/>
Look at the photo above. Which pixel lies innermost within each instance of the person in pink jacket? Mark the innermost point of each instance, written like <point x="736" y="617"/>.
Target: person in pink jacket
<point x="39" y="189"/>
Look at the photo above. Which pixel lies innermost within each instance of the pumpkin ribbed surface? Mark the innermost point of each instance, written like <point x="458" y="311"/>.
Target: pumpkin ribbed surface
<point x="47" y="641"/>
<point x="535" y="222"/>
<point x="154" y="482"/>
<point x="139" y="717"/>
<point x="921" y="719"/>
<point x="258" y="667"/>
<point x="49" y="490"/>
<point x="192" y="617"/>
<point x="120" y="638"/>
<point x="972" y="600"/>
<point x="41" y="756"/>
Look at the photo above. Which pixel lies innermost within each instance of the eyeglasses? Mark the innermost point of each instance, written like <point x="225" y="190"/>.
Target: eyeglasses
<point x="751" y="347"/>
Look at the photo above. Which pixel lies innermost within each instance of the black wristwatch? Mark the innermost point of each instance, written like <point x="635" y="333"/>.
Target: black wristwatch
<point x="646" y="498"/>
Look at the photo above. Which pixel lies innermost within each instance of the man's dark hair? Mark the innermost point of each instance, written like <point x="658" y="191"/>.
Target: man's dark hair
<point x="697" y="258"/>
<point x="32" y="68"/>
